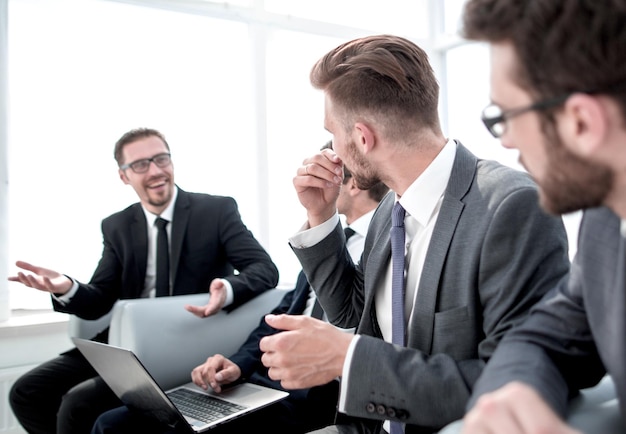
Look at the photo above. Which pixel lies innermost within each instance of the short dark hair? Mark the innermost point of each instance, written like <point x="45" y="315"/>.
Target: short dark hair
<point x="132" y="136"/>
<point x="562" y="45"/>
<point x="386" y="76"/>
<point x="378" y="191"/>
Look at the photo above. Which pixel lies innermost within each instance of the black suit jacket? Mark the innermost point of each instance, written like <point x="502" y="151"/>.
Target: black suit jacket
<point x="248" y="357"/>
<point x="313" y="406"/>
<point x="208" y="240"/>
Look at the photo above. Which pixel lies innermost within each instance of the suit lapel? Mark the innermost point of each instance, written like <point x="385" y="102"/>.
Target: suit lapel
<point x="377" y="262"/>
<point x="139" y="237"/>
<point x="179" y="227"/>
<point x="423" y="318"/>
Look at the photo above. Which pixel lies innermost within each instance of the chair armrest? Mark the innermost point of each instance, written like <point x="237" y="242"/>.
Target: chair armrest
<point x="86" y="328"/>
<point x="595" y="410"/>
<point x="170" y="341"/>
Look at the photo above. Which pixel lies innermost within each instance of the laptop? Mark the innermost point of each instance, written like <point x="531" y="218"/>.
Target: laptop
<point x="188" y="406"/>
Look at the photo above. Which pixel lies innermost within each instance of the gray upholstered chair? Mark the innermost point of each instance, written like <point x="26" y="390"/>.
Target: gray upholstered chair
<point x="170" y="341"/>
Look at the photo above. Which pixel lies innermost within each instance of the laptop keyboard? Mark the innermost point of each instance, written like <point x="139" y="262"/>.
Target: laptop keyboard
<point x="201" y="406"/>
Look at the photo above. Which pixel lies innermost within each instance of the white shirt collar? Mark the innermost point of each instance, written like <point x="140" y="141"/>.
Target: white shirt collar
<point x="361" y="224"/>
<point x="421" y="198"/>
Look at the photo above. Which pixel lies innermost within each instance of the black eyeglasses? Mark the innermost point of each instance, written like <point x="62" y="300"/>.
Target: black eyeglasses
<point x="142" y="166"/>
<point x="495" y="118"/>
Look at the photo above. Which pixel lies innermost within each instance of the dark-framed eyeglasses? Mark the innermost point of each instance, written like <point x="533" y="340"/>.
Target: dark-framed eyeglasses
<point x="142" y="166"/>
<point x="495" y="118"/>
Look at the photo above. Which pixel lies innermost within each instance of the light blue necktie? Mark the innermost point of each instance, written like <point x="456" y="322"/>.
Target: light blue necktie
<point x="397" y="285"/>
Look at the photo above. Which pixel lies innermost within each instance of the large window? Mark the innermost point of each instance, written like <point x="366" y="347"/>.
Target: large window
<point x="81" y="73"/>
<point x="226" y="83"/>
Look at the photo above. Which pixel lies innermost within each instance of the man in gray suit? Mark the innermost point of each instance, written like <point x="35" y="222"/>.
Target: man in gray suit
<point x="558" y="86"/>
<point x="478" y="248"/>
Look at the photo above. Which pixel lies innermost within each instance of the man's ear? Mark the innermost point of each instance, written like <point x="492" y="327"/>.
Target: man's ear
<point x="583" y="126"/>
<point x="123" y="176"/>
<point x="353" y="190"/>
<point x="365" y="137"/>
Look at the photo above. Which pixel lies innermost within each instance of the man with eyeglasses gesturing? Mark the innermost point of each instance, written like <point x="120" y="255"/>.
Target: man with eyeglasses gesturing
<point x="207" y="242"/>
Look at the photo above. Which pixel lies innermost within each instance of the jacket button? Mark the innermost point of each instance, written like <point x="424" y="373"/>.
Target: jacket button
<point x="370" y="407"/>
<point x="391" y="412"/>
<point x="380" y="409"/>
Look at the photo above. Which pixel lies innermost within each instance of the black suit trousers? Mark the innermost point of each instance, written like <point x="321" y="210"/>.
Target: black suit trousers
<point x="67" y="384"/>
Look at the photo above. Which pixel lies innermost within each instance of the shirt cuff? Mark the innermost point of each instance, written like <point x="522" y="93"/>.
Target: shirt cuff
<point x="65" y="298"/>
<point x="230" y="296"/>
<point x="310" y="237"/>
<point x="345" y="374"/>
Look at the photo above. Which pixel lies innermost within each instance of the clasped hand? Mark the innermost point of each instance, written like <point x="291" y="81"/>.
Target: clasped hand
<point x="308" y="352"/>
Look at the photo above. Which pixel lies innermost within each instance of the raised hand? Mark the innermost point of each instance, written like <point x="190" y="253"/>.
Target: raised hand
<point x="42" y="279"/>
<point x="217" y="289"/>
<point x="317" y="183"/>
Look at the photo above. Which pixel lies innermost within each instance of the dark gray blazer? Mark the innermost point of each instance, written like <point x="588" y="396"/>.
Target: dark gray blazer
<point x="493" y="254"/>
<point x="580" y="327"/>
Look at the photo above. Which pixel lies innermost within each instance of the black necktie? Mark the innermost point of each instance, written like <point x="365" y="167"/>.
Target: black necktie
<point x="317" y="311"/>
<point x="348" y="231"/>
<point x="162" y="259"/>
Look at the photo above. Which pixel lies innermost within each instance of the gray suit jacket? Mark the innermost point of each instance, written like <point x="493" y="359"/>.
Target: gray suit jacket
<point x="580" y="327"/>
<point x="492" y="255"/>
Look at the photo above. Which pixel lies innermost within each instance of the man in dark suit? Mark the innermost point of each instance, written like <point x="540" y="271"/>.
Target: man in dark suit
<point x="304" y="409"/>
<point x="208" y="243"/>
<point x="479" y="252"/>
<point x="558" y="89"/>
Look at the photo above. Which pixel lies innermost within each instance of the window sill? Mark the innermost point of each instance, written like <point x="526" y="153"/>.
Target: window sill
<point x="30" y="337"/>
<point x="32" y="322"/>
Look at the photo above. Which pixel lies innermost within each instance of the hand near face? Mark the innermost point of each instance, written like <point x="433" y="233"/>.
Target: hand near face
<point x="317" y="183"/>
<point x="42" y="279"/>
<point x="513" y="409"/>
<point x="215" y="372"/>
<point x="217" y="289"/>
<point x="308" y="353"/>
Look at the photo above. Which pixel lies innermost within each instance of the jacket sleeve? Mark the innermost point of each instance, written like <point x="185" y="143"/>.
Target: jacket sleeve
<point x="256" y="270"/>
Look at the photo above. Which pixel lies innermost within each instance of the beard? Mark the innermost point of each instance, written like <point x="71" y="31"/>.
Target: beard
<point x="159" y="199"/>
<point x="572" y="183"/>
<point x="363" y="172"/>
